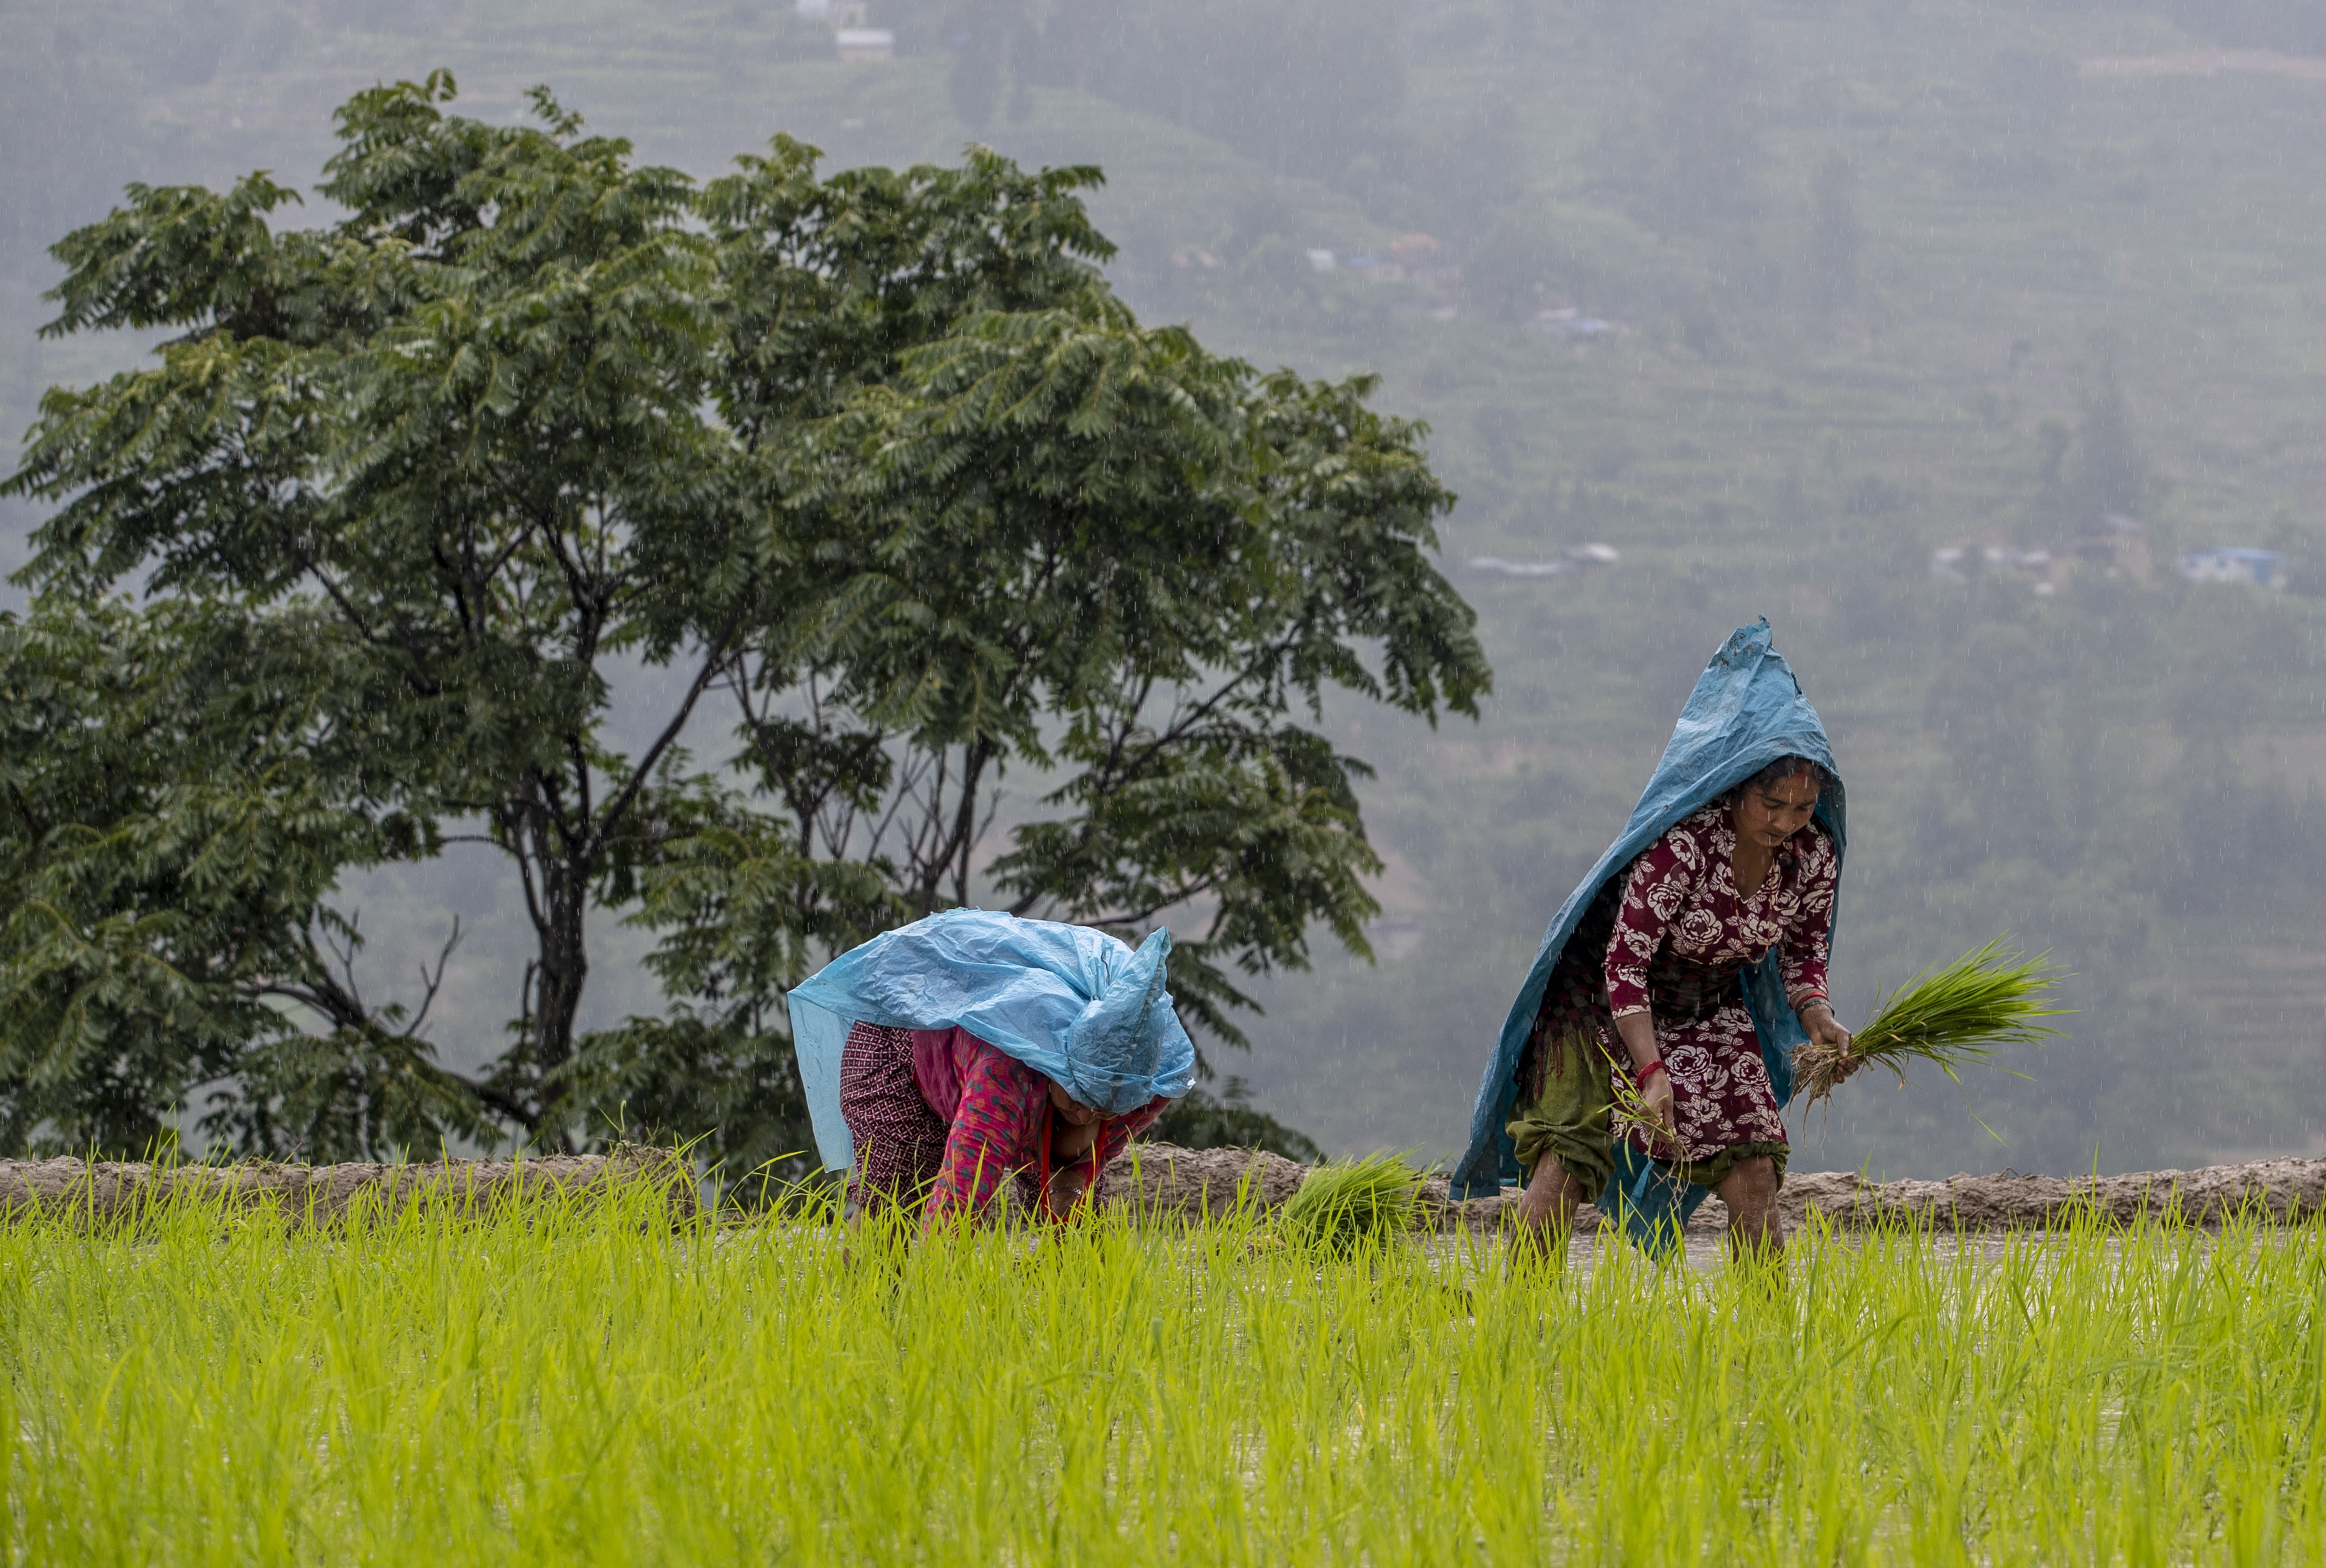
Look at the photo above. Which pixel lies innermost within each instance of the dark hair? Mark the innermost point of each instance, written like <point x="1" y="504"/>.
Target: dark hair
<point x="1786" y="767"/>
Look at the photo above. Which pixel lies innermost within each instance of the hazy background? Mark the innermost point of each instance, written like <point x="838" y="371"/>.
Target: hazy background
<point x="1777" y="299"/>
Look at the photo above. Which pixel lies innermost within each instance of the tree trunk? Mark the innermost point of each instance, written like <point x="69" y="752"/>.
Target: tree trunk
<point x="559" y="975"/>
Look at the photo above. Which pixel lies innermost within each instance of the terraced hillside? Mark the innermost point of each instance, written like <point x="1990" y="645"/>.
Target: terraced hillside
<point x="1777" y="302"/>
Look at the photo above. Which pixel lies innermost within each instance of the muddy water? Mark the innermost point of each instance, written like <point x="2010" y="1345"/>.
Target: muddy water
<point x="1706" y="1249"/>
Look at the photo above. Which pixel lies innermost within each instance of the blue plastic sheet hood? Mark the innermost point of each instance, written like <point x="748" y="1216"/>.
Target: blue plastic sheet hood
<point x="1079" y="1007"/>
<point x="1746" y="711"/>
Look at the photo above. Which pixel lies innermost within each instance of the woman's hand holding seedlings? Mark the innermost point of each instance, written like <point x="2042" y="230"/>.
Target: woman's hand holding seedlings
<point x="1825" y="1029"/>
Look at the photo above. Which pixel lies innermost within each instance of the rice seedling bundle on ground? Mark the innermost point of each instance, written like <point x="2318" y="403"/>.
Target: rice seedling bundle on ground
<point x="1963" y="1015"/>
<point x="591" y="1385"/>
<point x="1343" y="1205"/>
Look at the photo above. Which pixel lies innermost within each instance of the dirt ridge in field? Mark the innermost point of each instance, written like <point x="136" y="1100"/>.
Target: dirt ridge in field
<point x="1161" y="1178"/>
<point x="1165" y="1181"/>
<point x="320" y="1194"/>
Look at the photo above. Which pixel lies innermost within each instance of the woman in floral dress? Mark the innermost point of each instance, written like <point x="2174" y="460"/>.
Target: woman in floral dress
<point x="1648" y="989"/>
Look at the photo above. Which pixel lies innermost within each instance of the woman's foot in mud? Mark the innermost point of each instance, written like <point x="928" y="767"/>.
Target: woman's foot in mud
<point x="1545" y="1216"/>
<point x="1757" y="1232"/>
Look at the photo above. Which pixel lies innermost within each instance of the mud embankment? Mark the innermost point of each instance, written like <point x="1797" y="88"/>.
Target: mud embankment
<point x="106" y="1190"/>
<point x="1169" y="1182"/>
<point x="1197" y="1181"/>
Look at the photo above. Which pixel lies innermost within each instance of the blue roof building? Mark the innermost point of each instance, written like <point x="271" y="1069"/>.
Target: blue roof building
<point x="2230" y="564"/>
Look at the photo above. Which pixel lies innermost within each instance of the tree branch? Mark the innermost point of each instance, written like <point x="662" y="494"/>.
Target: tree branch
<point x="617" y="807"/>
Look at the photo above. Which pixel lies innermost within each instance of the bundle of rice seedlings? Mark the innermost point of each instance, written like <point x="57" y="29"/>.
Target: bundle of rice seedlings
<point x="1956" y="1016"/>
<point x="1632" y="1108"/>
<point x="1346" y="1203"/>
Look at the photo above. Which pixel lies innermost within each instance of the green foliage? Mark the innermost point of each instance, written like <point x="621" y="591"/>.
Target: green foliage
<point x="1505" y="274"/>
<point x="876" y="457"/>
<point x="179" y="787"/>
<point x="1690" y="155"/>
<point x="983" y="34"/>
<point x="2109" y="472"/>
<point x="2100" y="467"/>
<point x="417" y="1388"/>
<point x="1454" y="180"/>
<point x="464" y="426"/>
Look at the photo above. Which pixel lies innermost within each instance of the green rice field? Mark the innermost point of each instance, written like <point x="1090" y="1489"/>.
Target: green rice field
<point x="590" y="1385"/>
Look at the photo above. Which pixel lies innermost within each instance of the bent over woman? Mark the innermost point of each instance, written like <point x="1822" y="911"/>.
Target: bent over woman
<point x="1649" y="993"/>
<point x="938" y="1118"/>
<point x="944" y="1055"/>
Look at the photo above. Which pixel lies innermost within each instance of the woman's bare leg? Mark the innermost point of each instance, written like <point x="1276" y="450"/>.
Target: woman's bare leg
<point x="1547" y="1209"/>
<point x="1749" y="1190"/>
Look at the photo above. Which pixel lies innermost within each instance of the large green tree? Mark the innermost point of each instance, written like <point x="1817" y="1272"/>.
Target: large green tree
<point x="872" y="465"/>
<point x="179" y="790"/>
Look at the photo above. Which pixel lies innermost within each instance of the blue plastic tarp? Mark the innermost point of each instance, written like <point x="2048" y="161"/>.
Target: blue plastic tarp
<point x="1082" y="1009"/>
<point x="1746" y="711"/>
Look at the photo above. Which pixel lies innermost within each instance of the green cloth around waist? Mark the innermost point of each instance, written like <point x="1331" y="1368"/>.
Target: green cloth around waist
<point x="1572" y="1119"/>
<point x="1712" y="1171"/>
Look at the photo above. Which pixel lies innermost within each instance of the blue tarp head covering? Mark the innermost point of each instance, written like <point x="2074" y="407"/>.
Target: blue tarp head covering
<point x="1079" y="1007"/>
<point x="1746" y="711"/>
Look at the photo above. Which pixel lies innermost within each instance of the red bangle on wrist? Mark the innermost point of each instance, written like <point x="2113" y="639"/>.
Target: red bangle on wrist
<point x="1640" y="1076"/>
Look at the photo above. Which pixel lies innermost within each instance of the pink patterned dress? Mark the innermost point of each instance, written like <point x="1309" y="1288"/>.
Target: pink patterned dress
<point x="941" y="1113"/>
<point x="1680" y="902"/>
<point x="1672" y="937"/>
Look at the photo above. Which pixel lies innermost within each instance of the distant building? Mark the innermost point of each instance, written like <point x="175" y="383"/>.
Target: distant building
<point x="1959" y="561"/>
<point x="865" y="43"/>
<point x="1571" y="324"/>
<point x="1412" y="258"/>
<point x="1417" y="258"/>
<point x="1573" y="559"/>
<point x="2261" y="568"/>
<point x="1496" y="566"/>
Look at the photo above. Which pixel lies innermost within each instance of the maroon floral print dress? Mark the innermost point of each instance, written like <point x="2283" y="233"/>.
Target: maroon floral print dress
<point x="942" y="1113"/>
<point x="1672" y="937"/>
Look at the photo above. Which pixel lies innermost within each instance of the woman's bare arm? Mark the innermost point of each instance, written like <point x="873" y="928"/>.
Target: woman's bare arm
<point x="1638" y="1031"/>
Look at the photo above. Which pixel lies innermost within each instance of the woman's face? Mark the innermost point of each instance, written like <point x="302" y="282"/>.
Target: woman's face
<point x="1067" y="1111"/>
<point x="1769" y="814"/>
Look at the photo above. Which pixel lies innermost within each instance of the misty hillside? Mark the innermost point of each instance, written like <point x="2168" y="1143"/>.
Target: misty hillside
<point x="1937" y="332"/>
